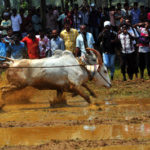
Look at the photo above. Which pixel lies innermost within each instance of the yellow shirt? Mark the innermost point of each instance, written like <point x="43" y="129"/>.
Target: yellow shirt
<point x="69" y="39"/>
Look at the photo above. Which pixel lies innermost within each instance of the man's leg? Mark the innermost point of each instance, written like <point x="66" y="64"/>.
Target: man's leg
<point x="142" y="64"/>
<point x="147" y="61"/>
<point x="106" y="60"/>
<point x="123" y="66"/>
<point x="112" y="65"/>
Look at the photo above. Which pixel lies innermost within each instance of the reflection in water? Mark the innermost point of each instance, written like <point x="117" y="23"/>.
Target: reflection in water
<point x="40" y="135"/>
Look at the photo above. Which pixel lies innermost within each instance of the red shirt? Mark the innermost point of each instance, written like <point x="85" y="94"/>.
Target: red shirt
<point x="32" y="47"/>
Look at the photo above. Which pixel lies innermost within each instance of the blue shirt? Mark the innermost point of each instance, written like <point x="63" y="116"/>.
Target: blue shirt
<point x="17" y="51"/>
<point x="56" y="44"/>
<point x="80" y="42"/>
<point x="2" y="50"/>
<point x="135" y="14"/>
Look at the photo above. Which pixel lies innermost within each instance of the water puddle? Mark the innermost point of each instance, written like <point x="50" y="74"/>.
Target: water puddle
<point x="123" y="147"/>
<point x="41" y="135"/>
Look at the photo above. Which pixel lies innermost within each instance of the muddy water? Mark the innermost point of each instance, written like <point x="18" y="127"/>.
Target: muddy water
<point x="35" y="123"/>
<point x="41" y="135"/>
<point x="124" y="147"/>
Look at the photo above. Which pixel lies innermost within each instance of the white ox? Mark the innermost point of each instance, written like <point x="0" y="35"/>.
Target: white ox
<point x="61" y="72"/>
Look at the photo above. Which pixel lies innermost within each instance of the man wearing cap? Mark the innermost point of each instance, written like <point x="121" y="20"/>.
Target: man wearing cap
<point x="108" y="39"/>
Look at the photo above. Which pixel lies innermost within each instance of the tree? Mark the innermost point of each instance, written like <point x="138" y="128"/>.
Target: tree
<point x="7" y="3"/>
<point x="43" y="12"/>
<point x="85" y="3"/>
<point x="62" y="5"/>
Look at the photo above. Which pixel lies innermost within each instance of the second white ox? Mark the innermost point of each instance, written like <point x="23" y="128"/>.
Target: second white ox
<point x="61" y="72"/>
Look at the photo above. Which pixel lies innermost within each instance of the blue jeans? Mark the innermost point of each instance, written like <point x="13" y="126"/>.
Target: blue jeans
<point x="109" y="62"/>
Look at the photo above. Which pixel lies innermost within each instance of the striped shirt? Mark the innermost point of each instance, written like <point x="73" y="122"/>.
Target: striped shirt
<point x="126" y="43"/>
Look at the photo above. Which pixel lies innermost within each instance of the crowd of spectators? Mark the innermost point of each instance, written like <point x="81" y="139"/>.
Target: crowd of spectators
<point x="123" y="30"/>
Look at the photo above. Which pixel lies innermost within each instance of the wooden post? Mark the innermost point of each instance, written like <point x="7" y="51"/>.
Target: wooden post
<point x="7" y="3"/>
<point x="43" y="12"/>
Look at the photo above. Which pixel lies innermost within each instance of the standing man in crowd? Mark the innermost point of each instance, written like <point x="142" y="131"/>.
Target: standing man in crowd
<point x="44" y="45"/>
<point x="51" y="20"/>
<point x="128" y="56"/>
<point x="144" y="47"/>
<point x="135" y="14"/>
<point x="93" y="22"/>
<point x="32" y="44"/>
<point x="108" y="39"/>
<point x="2" y="53"/>
<point x="56" y="42"/>
<point x="17" y="49"/>
<point x="83" y="41"/>
<point x="16" y="21"/>
<point x="5" y="24"/>
<point x="69" y="36"/>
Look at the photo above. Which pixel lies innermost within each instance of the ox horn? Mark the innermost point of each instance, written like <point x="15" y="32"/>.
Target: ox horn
<point x="99" y="57"/>
<point x="7" y="58"/>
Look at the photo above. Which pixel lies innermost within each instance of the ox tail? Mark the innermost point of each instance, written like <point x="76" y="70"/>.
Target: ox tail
<point x="7" y="58"/>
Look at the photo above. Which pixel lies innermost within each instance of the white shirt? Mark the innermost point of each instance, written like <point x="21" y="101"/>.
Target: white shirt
<point x="80" y="42"/>
<point x="16" y="22"/>
<point x="126" y="43"/>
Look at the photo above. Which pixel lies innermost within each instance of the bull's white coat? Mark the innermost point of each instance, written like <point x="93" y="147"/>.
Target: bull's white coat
<point x="53" y="78"/>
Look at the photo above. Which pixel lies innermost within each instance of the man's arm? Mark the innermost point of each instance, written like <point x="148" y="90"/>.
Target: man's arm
<point x="77" y="47"/>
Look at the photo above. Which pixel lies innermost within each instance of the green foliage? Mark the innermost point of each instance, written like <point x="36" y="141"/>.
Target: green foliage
<point x="24" y="5"/>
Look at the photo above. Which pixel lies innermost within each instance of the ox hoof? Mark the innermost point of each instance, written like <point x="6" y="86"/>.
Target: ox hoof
<point x="94" y="95"/>
<point x="74" y="94"/>
<point x="88" y="100"/>
<point x="58" y="102"/>
<point x="57" y="105"/>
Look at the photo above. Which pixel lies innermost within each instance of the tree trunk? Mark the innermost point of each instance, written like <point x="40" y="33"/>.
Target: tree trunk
<point x="7" y="3"/>
<point x="126" y="1"/>
<point x="110" y="3"/>
<point x="66" y="4"/>
<point x="62" y="5"/>
<point x="85" y="3"/>
<point x="43" y="12"/>
<point x="71" y="3"/>
<point x="29" y="3"/>
<point x="99" y="3"/>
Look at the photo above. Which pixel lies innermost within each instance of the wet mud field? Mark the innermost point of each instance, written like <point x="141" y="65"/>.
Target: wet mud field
<point x="118" y="119"/>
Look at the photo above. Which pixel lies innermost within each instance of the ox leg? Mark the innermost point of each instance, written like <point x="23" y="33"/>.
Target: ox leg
<point x="61" y="97"/>
<point x="75" y="89"/>
<point x="8" y="90"/>
<point x="59" y="100"/>
<point x="90" y="91"/>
